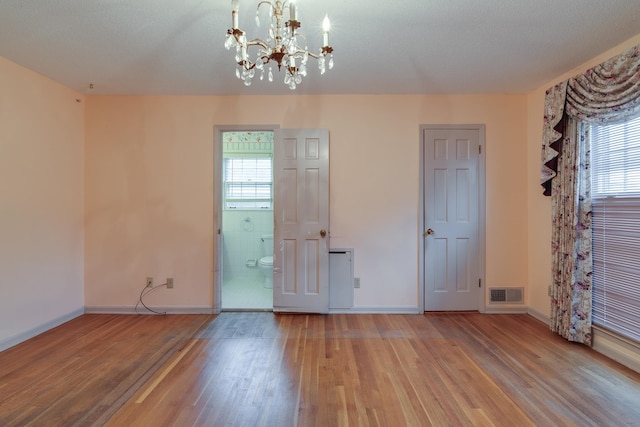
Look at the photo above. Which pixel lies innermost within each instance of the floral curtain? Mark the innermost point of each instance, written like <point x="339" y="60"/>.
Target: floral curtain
<point x="571" y="238"/>
<point x="551" y="135"/>
<point x="606" y="93"/>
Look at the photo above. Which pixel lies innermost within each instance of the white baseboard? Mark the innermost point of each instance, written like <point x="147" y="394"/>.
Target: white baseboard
<point x="502" y="309"/>
<point x="141" y="310"/>
<point x="377" y="310"/>
<point x="506" y="309"/>
<point x="620" y="349"/>
<point x="539" y="315"/>
<point x="17" y="339"/>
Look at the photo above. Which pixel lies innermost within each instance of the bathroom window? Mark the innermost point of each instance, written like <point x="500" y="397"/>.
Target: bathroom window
<point x="248" y="183"/>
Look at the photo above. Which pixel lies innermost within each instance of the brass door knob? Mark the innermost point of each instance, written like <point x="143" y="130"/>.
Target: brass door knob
<point x="323" y="233"/>
<point x="429" y="232"/>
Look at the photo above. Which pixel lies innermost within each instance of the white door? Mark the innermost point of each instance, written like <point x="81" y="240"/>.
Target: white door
<point x="451" y="218"/>
<point x="301" y="217"/>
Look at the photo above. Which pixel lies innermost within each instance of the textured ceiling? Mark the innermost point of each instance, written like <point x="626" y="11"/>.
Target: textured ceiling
<point x="408" y="46"/>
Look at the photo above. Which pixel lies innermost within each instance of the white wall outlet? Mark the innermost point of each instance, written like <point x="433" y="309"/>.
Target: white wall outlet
<point x="356" y="282"/>
<point x="170" y="283"/>
<point x="149" y="282"/>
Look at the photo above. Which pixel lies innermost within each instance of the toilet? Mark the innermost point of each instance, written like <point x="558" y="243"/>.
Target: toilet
<point x="265" y="264"/>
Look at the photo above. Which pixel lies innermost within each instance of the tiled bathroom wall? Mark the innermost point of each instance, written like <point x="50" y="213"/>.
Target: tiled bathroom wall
<point x="242" y="231"/>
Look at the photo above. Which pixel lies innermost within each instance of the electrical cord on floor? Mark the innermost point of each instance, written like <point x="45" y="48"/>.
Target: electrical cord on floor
<point x="146" y="291"/>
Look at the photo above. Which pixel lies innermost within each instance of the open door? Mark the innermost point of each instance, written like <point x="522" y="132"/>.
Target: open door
<point x="301" y="217"/>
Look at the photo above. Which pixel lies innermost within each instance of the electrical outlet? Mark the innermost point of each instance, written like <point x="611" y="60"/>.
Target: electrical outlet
<point x="149" y="282"/>
<point x="170" y="283"/>
<point x="356" y="282"/>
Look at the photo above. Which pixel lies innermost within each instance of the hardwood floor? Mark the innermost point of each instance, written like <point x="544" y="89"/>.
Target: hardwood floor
<point x="261" y="369"/>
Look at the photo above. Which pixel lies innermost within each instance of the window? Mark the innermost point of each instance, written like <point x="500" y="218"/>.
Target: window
<point x="615" y="189"/>
<point x="248" y="183"/>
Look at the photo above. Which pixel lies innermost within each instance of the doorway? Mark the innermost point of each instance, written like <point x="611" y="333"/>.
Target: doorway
<point x="246" y="224"/>
<point x="452" y="218"/>
<point x="295" y="223"/>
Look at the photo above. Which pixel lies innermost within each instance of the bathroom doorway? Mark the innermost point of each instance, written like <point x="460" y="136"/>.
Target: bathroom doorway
<point x="246" y="226"/>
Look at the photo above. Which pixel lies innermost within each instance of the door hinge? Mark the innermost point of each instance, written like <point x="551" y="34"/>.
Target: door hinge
<point x="479" y="283"/>
<point x="479" y="149"/>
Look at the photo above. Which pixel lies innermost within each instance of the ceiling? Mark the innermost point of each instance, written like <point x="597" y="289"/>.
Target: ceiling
<point x="381" y="47"/>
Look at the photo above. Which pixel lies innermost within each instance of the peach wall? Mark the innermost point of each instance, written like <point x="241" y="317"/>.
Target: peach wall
<point x="149" y="186"/>
<point x="539" y="206"/>
<point x="41" y="212"/>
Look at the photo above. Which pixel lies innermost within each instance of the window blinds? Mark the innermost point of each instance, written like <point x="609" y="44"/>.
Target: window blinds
<point x="615" y="176"/>
<point x="615" y="159"/>
<point x="248" y="183"/>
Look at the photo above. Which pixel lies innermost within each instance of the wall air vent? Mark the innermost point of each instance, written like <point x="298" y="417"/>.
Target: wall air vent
<point x="506" y="295"/>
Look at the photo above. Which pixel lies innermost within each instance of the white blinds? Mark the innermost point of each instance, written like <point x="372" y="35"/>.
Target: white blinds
<point x="615" y="176"/>
<point x="248" y="183"/>
<point x="615" y="159"/>
<point x="616" y="265"/>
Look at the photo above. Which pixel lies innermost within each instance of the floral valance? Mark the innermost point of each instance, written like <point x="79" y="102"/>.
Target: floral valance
<point x="606" y="93"/>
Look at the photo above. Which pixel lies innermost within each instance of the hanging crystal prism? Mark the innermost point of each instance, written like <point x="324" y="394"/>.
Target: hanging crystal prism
<point x="281" y="46"/>
<point x="229" y="41"/>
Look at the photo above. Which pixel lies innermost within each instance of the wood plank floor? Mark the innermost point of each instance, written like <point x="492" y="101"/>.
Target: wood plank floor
<point x="261" y="369"/>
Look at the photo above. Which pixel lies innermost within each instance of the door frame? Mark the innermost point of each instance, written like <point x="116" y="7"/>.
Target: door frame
<point x="480" y="128"/>
<point x="216" y="271"/>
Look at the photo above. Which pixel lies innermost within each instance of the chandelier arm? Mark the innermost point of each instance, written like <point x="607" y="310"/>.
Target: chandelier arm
<point x="264" y="2"/>
<point x="270" y="3"/>
<point x="325" y="51"/>
<point x="259" y="42"/>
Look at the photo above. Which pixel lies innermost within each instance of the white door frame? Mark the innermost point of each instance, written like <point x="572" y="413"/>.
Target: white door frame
<point x="481" y="210"/>
<point x="216" y="272"/>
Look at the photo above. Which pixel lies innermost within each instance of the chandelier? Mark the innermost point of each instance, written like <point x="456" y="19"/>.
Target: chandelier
<point x="282" y="46"/>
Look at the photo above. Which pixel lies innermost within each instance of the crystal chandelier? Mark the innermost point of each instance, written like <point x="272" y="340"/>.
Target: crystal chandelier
<point x="282" y="46"/>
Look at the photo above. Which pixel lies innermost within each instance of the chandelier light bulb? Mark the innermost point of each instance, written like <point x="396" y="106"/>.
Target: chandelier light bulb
<point x="235" y="7"/>
<point x="326" y="27"/>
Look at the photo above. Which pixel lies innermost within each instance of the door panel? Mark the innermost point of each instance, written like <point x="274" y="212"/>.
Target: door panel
<point x="288" y="260"/>
<point x="312" y="262"/>
<point x="301" y="216"/>
<point x="451" y="213"/>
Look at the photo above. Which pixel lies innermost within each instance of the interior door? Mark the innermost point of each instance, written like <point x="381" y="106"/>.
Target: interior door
<point x="451" y="219"/>
<point x="301" y="216"/>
